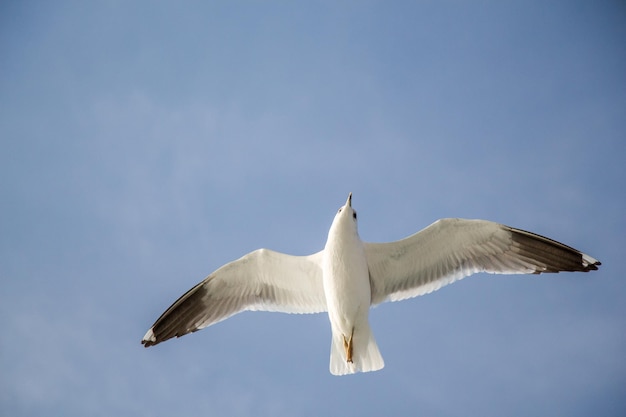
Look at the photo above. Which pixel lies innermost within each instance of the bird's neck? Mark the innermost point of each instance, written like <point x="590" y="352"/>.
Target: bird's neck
<point x="342" y="235"/>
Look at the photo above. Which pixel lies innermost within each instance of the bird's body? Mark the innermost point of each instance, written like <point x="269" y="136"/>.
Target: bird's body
<point x="348" y="297"/>
<point x="349" y="276"/>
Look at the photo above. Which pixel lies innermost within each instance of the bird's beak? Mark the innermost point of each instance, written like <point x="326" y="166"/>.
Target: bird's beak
<point x="349" y="200"/>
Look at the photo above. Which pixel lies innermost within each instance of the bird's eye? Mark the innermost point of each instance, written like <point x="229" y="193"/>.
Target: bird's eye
<point x="339" y="211"/>
<point x="354" y="215"/>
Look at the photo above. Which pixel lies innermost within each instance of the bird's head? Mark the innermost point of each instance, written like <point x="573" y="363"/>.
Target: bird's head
<point x="346" y="215"/>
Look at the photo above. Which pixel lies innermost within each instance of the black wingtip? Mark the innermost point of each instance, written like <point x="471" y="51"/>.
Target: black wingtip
<point x="555" y="256"/>
<point x="149" y="339"/>
<point x="594" y="266"/>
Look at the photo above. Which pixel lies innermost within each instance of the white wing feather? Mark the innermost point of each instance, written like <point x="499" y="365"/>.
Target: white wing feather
<point x="451" y="249"/>
<point x="261" y="280"/>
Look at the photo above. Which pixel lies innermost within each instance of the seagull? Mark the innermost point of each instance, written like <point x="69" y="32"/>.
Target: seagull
<point x="349" y="276"/>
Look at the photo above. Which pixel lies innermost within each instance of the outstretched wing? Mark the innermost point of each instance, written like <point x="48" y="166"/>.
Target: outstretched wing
<point x="261" y="280"/>
<point x="451" y="249"/>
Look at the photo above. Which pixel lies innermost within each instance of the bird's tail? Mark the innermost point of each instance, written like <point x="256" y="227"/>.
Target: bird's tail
<point x="365" y="354"/>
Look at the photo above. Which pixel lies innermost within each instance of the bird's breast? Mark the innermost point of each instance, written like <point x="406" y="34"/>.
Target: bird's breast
<point x="346" y="283"/>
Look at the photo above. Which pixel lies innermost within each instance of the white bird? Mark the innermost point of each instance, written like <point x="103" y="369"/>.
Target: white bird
<point x="349" y="276"/>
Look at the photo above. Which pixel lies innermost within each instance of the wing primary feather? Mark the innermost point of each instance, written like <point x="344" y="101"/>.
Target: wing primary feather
<point x="172" y="323"/>
<point x="556" y="255"/>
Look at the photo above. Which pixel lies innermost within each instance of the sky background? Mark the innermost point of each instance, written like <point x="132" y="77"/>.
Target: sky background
<point x="147" y="143"/>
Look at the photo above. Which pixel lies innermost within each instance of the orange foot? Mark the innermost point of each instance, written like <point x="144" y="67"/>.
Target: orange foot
<point x="347" y="345"/>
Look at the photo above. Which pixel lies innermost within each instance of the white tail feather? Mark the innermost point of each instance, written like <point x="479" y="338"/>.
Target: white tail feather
<point x="365" y="354"/>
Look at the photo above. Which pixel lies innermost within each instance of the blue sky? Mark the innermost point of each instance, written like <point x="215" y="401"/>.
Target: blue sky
<point x="145" y="144"/>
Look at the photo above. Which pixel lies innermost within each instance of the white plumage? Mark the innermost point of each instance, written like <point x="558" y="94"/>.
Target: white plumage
<point x="349" y="276"/>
